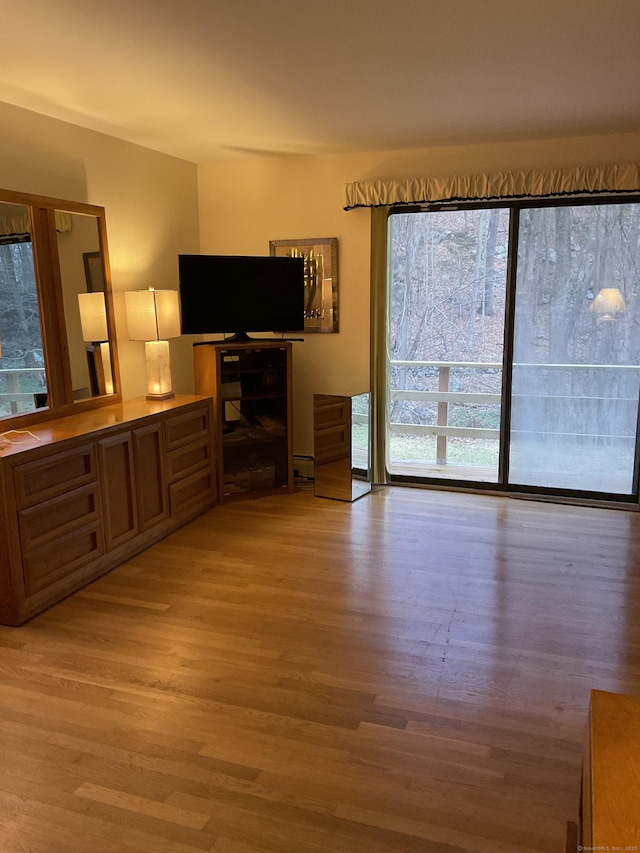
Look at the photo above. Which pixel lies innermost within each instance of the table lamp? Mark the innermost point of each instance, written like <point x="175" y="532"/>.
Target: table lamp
<point x="93" y="320"/>
<point x="153" y="316"/>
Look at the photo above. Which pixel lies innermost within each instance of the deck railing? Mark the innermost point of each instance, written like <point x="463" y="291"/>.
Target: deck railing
<point x="444" y="398"/>
<point x="14" y="394"/>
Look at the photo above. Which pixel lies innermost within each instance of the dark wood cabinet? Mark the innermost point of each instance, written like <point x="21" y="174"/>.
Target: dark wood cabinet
<point x="251" y="385"/>
<point x="81" y="494"/>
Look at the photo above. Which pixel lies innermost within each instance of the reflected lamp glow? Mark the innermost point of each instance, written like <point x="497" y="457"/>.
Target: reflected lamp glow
<point x="93" y="320"/>
<point x="153" y="316"/>
<point x="608" y="302"/>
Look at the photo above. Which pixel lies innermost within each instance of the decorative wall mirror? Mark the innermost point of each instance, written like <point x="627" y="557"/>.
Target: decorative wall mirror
<point x="57" y="334"/>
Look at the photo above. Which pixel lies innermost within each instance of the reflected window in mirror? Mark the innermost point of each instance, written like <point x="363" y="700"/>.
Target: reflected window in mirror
<point x="82" y="273"/>
<point x="23" y="380"/>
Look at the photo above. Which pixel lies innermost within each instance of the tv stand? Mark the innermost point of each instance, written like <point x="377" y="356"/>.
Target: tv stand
<point x="250" y="382"/>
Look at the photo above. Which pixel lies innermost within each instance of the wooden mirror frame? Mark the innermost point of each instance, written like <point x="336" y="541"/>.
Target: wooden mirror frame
<point x="48" y="275"/>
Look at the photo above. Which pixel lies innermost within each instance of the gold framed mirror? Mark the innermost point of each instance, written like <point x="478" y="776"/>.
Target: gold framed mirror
<point x="58" y="350"/>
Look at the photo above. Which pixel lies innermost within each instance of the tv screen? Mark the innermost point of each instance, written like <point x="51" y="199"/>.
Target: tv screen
<point x="240" y="293"/>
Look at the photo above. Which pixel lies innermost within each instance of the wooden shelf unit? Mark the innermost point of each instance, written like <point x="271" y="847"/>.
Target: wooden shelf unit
<point x="83" y="493"/>
<point x="250" y="383"/>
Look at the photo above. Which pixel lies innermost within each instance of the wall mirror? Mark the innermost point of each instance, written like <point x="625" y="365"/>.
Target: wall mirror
<point x="85" y="308"/>
<point x="57" y="334"/>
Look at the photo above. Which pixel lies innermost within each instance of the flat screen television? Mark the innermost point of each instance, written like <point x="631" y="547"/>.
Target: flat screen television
<point x="236" y="294"/>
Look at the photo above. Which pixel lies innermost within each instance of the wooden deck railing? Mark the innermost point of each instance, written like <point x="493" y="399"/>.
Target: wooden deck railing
<point x="444" y="398"/>
<point x="14" y="393"/>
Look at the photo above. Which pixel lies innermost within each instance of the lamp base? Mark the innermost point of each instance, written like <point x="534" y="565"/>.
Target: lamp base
<point x="167" y="396"/>
<point x="159" y="386"/>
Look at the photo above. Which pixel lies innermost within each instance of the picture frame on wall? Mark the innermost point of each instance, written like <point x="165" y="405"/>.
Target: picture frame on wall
<point x="320" y="279"/>
<point x="93" y="271"/>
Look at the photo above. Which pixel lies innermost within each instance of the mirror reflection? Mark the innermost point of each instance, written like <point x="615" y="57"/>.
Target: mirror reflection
<point x="360" y="440"/>
<point x="83" y="292"/>
<point x="23" y="381"/>
<point x="341" y="446"/>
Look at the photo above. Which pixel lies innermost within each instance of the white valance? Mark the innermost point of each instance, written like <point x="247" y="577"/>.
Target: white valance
<point x="578" y="181"/>
<point x="21" y="224"/>
<point x="15" y="224"/>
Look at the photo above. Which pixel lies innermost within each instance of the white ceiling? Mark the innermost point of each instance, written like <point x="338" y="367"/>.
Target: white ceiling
<point x="204" y="79"/>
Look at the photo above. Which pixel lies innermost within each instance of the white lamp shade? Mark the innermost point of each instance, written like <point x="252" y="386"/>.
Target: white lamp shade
<point x="152" y="315"/>
<point x="167" y="313"/>
<point x="93" y="316"/>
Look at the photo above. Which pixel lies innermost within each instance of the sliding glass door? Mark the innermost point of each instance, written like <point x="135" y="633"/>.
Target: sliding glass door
<point x="576" y="351"/>
<point x="514" y="347"/>
<point x="448" y="279"/>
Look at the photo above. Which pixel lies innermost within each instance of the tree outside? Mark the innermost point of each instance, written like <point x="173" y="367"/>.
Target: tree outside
<point x="20" y="333"/>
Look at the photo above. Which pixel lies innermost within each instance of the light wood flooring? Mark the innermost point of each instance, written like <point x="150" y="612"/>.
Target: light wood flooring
<point x="406" y="674"/>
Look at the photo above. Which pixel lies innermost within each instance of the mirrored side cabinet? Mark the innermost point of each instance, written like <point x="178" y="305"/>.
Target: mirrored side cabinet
<point x="341" y="446"/>
<point x="57" y="333"/>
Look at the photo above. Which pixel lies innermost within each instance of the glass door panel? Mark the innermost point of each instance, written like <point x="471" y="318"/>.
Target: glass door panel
<point x="448" y="274"/>
<point x="575" y="381"/>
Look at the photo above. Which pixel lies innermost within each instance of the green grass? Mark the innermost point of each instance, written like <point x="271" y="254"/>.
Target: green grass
<point x="422" y="448"/>
<point x="460" y="451"/>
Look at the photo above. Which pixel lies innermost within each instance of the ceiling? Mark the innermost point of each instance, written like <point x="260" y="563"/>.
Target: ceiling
<point x="209" y="79"/>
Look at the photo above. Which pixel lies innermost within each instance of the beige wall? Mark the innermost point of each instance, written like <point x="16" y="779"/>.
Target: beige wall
<point x="246" y="203"/>
<point x="151" y="208"/>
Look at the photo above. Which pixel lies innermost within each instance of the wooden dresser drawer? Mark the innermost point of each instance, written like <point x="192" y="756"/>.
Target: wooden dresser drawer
<point x="187" y="428"/>
<point x="53" y="475"/>
<point x="188" y="459"/>
<point x="51" y="519"/>
<point x="59" y="559"/>
<point x="192" y="492"/>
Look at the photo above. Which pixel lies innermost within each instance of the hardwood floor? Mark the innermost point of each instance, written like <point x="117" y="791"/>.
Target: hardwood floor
<point x="406" y="674"/>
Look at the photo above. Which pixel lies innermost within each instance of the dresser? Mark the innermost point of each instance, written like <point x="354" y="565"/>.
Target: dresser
<point x="83" y="493"/>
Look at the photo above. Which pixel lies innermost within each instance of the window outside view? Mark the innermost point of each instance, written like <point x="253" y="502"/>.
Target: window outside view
<point x="22" y="372"/>
<point x="574" y="405"/>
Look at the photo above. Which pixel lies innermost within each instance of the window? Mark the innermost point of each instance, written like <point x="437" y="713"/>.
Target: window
<point x="22" y="371"/>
